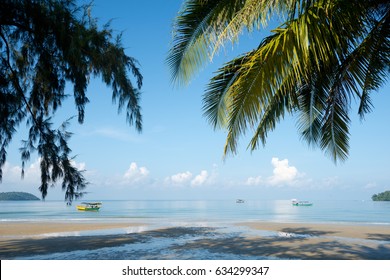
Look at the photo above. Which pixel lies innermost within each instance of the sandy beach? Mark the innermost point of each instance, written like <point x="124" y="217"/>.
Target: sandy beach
<point x="257" y="240"/>
<point x="34" y="230"/>
<point x="369" y="232"/>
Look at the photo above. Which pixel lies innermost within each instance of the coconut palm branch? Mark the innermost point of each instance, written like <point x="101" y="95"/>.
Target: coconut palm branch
<point x="325" y="55"/>
<point x="203" y="26"/>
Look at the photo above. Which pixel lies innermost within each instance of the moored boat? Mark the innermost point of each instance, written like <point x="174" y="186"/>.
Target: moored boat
<point x="89" y="206"/>
<point x="295" y="202"/>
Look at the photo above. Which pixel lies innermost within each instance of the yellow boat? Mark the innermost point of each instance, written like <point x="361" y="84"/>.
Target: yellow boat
<point x="89" y="206"/>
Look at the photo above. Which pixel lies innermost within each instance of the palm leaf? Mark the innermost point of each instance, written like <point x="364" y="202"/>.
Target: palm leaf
<point x="266" y="76"/>
<point x="216" y="98"/>
<point x="335" y="130"/>
<point x="375" y="49"/>
<point x="325" y="54"/>
<point x="191" y="33"/>
<point x="203" y="26"/>
<point x="273" y="113"/>
<point x="312" y="101"/>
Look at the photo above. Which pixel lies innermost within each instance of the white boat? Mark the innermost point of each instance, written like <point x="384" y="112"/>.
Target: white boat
<point x="240" y="201"/>
<point x="296" y="202"/>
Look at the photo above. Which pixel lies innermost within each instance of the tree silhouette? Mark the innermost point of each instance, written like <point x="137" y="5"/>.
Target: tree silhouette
<point x="46" y="45"/>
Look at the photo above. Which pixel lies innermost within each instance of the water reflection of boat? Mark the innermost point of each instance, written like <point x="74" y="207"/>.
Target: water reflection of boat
<point x="295" y="202"/>
<point x="89" y="206"/>
<point x="240" y="201"/>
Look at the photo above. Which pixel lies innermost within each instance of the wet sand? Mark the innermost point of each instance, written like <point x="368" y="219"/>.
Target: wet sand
<point x="30" y="229"/>
<point x="287" y="241"/>
<point x="364" y="231"/>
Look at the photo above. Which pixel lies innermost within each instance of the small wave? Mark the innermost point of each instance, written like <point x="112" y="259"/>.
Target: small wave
<point x="59" y="234"/>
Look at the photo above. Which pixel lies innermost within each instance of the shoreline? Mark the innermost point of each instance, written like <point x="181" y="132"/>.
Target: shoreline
<point x="34" y="229"/>
<point x="358" y="231"/>
<point x="252" y="240"/>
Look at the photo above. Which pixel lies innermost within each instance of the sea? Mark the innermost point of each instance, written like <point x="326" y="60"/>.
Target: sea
<point x="202" y="211"/>
<point x="223" y="216"/>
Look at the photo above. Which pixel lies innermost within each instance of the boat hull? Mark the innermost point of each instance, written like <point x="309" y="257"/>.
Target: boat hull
<point x="84" y="208"/>
<point x="296" y="202"/>
<point x="302" y="204"/>
<point x="89" y="206"/>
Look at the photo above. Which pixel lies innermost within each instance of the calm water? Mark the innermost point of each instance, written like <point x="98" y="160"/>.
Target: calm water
<point x="362" y="212"/>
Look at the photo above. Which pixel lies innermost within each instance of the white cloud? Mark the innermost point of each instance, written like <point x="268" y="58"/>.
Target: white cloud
<point x="135" y="173"/>
<point x="254" y="181"/>
<point x="200" y="179"/>
<point x="187" y="178"/>
<point x="79" y="165"/>
<point x="370" y="185"/>
<point x="12" y="173"/>
<point x="282" y="173"/>
<point x="179" y="178"/>
<point x="32" y="172"/>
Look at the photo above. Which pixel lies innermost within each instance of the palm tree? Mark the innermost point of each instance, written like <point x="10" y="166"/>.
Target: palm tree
<point x="322" y="57"/>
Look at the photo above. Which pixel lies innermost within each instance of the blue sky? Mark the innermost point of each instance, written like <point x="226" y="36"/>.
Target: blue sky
<point x="179" y="155"/>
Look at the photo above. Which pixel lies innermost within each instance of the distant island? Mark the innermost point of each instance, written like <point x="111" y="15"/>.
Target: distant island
<point x="17" y="196"/>
<point x="384" y="196"/>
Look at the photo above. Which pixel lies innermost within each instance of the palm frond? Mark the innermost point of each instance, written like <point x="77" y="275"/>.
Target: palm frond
<point x="266" y="76"/>
<point x="251" y="14"/>
<point x="191" y="35"/>
<point x="335" y="130"/>
<point x="216" y="97"/>
<point x="353" y="73"/>
<point x="203" y="26"/>
<point x="273" y="113"/>
<point x="325" y="54"/>
<point x="312" y="96"/>
<point x="375" y="50"/>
